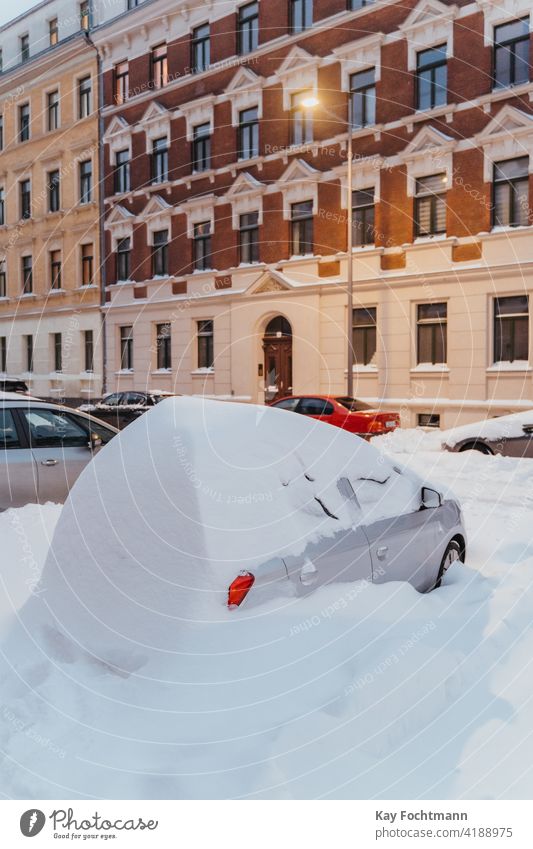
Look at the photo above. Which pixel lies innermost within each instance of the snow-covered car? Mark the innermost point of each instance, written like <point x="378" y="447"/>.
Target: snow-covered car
<point x="122" y="408"/>
<point x="202" y="505"/>
<point x="510" y="435"/>
<point x="43" y="449"/>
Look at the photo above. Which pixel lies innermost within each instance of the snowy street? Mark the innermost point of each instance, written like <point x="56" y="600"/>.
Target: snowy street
<point x="355" y="692"/>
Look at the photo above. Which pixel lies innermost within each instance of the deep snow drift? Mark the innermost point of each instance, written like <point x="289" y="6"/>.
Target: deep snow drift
<point x="357" y="691"/>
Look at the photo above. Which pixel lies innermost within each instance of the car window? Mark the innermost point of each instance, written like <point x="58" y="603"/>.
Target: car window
<point x="314" y="407"/>
<point x="92" y="426"/>
<point x="50" y="429"/>
<point x="287" y="404"/>
<point x="8" y="431"/>
<point x="353" y="405"/>
<point x="112" y="400"/>
<point x="134" y="398"/>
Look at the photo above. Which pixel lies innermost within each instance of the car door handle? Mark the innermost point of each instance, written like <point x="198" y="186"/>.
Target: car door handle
<point x="382" y="551"/>
<point x="49" y="462"/>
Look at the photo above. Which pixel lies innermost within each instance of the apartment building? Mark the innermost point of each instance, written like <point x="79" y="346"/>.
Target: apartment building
<point x="50" y="319"/>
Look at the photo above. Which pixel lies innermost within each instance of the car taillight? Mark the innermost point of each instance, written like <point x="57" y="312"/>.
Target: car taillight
<point x="376" y="427"/>
<point x="239" y="588"/>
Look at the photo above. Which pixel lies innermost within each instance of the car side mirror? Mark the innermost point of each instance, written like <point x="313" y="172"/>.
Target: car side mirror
<point x="430" y="498"/>
<point x="94" y="442"/>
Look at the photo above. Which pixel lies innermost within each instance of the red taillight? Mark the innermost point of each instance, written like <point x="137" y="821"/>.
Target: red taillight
<point x="376" y="427"/>
<point x="239" y="588"/>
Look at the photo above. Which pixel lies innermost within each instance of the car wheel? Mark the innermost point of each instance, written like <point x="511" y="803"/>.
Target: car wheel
<point x="453" y="553"/>
<point x="476" y="446"/>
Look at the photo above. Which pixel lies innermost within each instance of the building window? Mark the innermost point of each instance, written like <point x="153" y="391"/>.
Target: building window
<point x="86" y="181"/>
<point x="84" y="97"/>
<point x="2" y="207"/>
<point x="302" y="228"/>
<point x="430" y="205"/>
<point x="84" y="15"/>
<point x="428" y="420"/>
<point x="160" y="253"/>
<point x="55" y="269"/>
<point x="353" y="5"/>
<point x="1" y="133"/>
<point x="202" y="245"/>
<point x="163" y="345"/>
<point x="54" y="200"/>
<point x="363" y="217"/>
<point x="3" y="354"/>
<point x="53" y="30"/>
<point x="364" y="335"/>
<point x="3" y="280"/>
<point x="248" y="28"/>
<point x="24" y="122"/>
<point x="87" y="265"/>
<point x="52" y="100"/>
<point x="363" y="94"/>
<point x="160" y="160"/>
<point x="29" y="353"/>
<point x="58" y="351"/>
<point x="123" y="258"/>
<point x="122" y="171"/>
<point x="24" y="47"/>
<point x="205" y="336"/>
<point x="511" y="329"/>
<point x="27" y="275"/>
<point x="301" y="119"/>
<point x="511" y="53"/>
<point x="510" y="193"/>
<point x="159" y="66"/>
<point x="249" y="237"/>
<point x="126" y="347"/>
<point x="122" y="82"/>
<point x="248" y="133"/>
<point x="301" y="15"/>
<point x="25" y="199"/>
<point x="200" y="53"/>
<point x="431" y="333"/>
<point x="132" y="4"/>
<point x="201" y="148"/>
<point x="431" y="78"/>
<point x="88" y="350"/>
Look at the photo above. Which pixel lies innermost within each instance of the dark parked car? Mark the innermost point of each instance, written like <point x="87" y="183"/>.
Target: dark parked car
<point x="510" y="435"/>
<point x="13" y="384"/>
<point x="122" y="408"/>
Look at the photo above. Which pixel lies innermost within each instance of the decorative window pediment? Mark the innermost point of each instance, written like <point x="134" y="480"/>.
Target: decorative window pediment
<point x="157" y="214"/>
<point x="500" y="12"/>
<point x="245" y="92"/>
<point x="120" y="222"/>
<point x="365" y="175"/>
<point x="155" y="123"/>
<point x="197" y="210"/>
<point x="269" y="281"/>
<point x="359" y="55"/>
<point x="299" y="182"/>
<point x="430" y="152"/>
<point x="429" y="23"/>
<point x="509" y="134"/>
<point x="245" y="195"/>
<point x="298" y="72"/>
<point x="118" y="137"/>
<point x="197" y="112"/>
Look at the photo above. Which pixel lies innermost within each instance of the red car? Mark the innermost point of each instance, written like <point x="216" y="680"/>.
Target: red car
<point x="338" y="410"/>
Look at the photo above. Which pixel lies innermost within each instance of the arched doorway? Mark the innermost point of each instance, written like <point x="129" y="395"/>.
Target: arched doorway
<point x="277" y="345"/>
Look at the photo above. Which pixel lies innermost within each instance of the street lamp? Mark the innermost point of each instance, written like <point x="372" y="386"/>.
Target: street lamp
<point x="311" y="102"/>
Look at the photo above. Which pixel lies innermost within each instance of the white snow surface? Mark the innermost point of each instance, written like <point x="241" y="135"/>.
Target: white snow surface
<point x="496" y="429"/>
<point x="357" y="691"/>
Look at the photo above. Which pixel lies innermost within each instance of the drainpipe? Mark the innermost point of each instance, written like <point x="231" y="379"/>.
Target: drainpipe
<point x="101" y="215"/>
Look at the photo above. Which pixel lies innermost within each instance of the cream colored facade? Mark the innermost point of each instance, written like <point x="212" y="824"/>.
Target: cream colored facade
<point x="71" y="306"/>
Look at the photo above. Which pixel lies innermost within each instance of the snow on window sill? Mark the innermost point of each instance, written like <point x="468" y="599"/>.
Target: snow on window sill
<point x="369" y="368"/>
<point x="203" y="371"/>
<point x="438" y="368"/>
<point x="162" y="371"/>
<point x="505" y="366"/>
<point x="125" y="371"/>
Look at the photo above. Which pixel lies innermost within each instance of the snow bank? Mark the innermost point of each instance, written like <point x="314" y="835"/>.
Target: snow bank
<point x="497" y="429"/>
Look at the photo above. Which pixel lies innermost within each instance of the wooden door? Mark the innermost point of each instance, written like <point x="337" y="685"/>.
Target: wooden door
<point x="278" y="367"/>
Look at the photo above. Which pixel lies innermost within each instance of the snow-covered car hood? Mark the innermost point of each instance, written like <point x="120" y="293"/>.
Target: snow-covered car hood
<point x="500" y="428"/>
<point x="193" y="492"/>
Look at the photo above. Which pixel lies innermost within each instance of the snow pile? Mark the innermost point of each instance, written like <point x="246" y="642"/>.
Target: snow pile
<point x="497" y="429"/>
<point x="356" y="691"/>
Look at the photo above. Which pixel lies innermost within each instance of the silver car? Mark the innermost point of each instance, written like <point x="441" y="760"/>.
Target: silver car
<point x="511" y="436"/>
<point x="43" y="449"/>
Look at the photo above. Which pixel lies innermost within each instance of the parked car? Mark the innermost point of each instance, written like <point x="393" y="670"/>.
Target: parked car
<point x="341" y="411"/>
<point x="43" y="449"/>
<point x="13" y="384"/>
<point x="511" y="436"/>
<point x="122" y="408"/>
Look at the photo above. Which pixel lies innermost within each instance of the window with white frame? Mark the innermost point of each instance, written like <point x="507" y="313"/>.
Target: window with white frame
<point x="510" y="192"/>
<point x="430" y="205"/>
<point x="511" y="329"/>
<point x="431" y="324"/>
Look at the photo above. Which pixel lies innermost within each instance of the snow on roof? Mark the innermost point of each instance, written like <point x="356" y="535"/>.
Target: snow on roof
<point x="498" y="428"/>
<point x="17" y="396"/>
<point x="193" y="492"/>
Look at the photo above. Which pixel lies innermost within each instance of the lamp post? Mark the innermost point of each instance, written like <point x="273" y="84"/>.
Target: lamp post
<point x="309" y="103"/>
